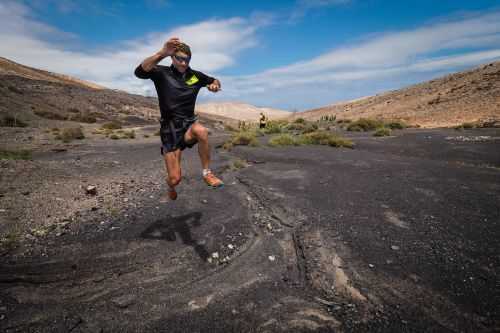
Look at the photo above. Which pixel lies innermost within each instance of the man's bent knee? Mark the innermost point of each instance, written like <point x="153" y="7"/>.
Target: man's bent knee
<point x="200" y="132"/>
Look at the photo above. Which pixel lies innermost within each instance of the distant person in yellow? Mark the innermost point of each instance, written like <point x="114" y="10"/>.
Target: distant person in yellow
<point x="177" y="87"/>
<point x="262" y="120"/>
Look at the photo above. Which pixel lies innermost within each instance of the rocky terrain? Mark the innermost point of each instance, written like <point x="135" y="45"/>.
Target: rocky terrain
<point x="470" y="96"/>
<point x="398" y="234"/>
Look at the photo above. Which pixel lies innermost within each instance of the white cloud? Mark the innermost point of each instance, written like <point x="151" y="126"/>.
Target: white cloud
<point x="354" y="70"/>
<point x="215" y="45"/>
<point x="428" y="50"/>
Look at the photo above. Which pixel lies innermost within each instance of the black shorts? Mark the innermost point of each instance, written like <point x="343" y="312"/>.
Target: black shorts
<point x="172" y="134"/>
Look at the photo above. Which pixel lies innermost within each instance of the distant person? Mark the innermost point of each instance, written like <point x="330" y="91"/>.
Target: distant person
<point x="177" y="87"/>
<point x="262" y="121"/>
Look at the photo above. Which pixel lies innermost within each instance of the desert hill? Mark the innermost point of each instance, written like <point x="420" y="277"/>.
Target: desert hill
<point x="240" y="111"/>
<point x="468" y="96"/>
<point x="8" y="67"/>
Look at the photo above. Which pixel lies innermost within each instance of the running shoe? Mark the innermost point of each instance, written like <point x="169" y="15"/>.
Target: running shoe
<point x="213" y="181"/>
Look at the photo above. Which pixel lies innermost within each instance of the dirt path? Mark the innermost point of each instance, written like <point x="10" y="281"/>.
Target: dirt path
<point x="390" y="236"/>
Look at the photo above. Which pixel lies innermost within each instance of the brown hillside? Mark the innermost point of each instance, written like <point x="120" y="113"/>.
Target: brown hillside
<point x="8" y="67"/>
<point x="468" y="96"/>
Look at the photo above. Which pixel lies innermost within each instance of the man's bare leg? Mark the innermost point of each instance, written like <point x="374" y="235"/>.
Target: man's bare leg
<point x="174" y="174"/>
<point x="199" y="133"/>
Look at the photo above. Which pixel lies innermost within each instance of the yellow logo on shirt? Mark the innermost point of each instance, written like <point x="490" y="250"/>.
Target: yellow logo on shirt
<point x="192" y="80"/>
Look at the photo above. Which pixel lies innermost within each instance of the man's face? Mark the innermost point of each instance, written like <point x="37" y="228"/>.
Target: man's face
<point x="181" y="61"/>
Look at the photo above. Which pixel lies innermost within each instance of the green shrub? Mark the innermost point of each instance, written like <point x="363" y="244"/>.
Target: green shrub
<point x="309" y="128"/>
<point x="365" y="124"/>
<point x="84" y="117"/>
<point x="72" y="133"/>
<point x="275" y="126"/>
<point x="114" y="137"/>
<point x="354" y="128"/>
<point x="325" y="138"/>
<point x="295" y="127"/>
<point x="244" y="138"/>
<point x="241" y="138"/>
<point x="468" y="125"/>
<point x="10" y="240"/>
<point x="283" y="140"/>
<point x="229" y="128"/>
<point x="299" y="121"/>
<point x="129" y="134"/>
<point x="146" y="135"/>
<point x="239" y="164"/>
<point x="12" y="121"/>
<point x="382" y="131"/>
<point x="396" y="125"/>
<point x="15" y="154"/>
<point x="113" y="125"/>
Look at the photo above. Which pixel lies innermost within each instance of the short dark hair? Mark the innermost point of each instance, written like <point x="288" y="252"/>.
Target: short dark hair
<point x="184" y="48"/>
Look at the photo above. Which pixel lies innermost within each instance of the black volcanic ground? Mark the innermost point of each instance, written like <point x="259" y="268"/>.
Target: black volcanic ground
<point x="399" y="234"/>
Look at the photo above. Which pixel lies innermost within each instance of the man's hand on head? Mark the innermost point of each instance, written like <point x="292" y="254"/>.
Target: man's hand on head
<point x="170" y="47"/>
<point x="214" y="86"/>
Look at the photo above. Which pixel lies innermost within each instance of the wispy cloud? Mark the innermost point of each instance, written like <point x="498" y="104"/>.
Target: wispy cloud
<point x="302" y="7"/>
<point x="430" y="49"/>
<point x="385" y="60"/>
<point x="216" y="43"/>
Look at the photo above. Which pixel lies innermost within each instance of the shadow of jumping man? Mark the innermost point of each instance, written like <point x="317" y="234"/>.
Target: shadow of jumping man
<point x="168" y="227"/>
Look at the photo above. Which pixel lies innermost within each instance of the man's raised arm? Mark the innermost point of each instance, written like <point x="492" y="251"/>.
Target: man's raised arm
<point x="142" y="71"/>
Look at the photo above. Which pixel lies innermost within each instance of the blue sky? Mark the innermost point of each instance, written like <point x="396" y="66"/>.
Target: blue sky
<point x="292" y="55"/>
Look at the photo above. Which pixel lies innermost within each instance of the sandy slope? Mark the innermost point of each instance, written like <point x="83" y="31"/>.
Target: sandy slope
<point x="241" y="111"/>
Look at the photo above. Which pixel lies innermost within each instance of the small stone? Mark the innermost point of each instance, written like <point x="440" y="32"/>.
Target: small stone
<point x="2" y="210"/>
<point x="124" y="301"/>
<point x="371" y="265"/>
<point x="2" y="317"/>
<point x="230" y="246"/>
<point x="209" y="260"/>
<point x="91" y="190"/>
<point x="204" y="201"/>
<point x="125" y="199"/>
<point x="395" y="247"/>
<point x="215" y="255"/>
<point x="269" y="226"/>
<point x="271" y="258"/>
<point x="233" y="311"/>
<point x="26" y="193"/>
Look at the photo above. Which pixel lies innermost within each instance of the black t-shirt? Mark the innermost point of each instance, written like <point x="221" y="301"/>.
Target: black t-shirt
<point x="176" y="91"/>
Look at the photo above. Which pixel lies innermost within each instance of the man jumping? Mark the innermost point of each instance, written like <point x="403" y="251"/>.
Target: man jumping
<point x="177" y="87"/>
